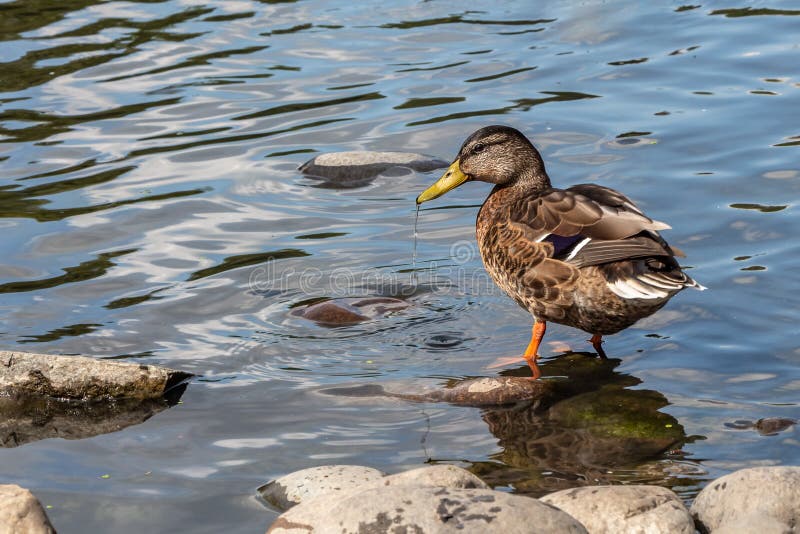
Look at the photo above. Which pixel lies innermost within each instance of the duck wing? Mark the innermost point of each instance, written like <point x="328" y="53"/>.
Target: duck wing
<point x="589" y="224"/>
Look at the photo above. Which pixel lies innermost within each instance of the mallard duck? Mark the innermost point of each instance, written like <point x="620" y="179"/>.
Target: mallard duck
<point x="584" y="256"/>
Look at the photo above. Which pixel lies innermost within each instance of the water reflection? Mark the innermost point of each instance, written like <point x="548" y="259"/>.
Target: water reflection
<point x="29" y="419"/>
<point x="584" y="423"/>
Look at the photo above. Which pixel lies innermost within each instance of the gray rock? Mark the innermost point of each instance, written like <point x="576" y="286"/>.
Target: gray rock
<point x="20" y="512"/>
<point x="80" y="377"/>
<point x="286" y="491"/>
<point x="364" y="165"/>
<point x="754" y="523"/>
<point x="488" y="391"/>
<point x="444" y="475"/>
<point x="768" y="493"/>
<point x="425" y="509"/>
<point x="613" y="509"/>
<point x="307" y="484"/>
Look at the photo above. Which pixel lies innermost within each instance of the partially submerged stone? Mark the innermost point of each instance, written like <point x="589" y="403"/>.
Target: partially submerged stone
<point x="613" y="509"/>
<point x="487" y="391"/>
<point x="428" y="509"/>
<point x="349" y="311"/>
<point x="768" y="493"/>
<point x="357" y="167"/>
<point x="768" y="426"/>
<point x="21" y="512"/>
<point x="306" y="484"/>
<point x="81" y="377"/>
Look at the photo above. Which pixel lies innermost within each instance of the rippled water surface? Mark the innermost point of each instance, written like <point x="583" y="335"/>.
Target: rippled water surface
<point x="152" y="210"/>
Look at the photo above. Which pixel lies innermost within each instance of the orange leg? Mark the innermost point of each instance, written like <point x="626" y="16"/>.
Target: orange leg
<point x="597" y="341"/>
<point x="531" y="353"/>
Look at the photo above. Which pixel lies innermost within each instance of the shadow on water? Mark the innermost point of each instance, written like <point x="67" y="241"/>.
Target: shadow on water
<point x="582" y="424"/>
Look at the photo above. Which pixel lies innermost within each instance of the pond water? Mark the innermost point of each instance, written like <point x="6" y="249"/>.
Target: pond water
<point x="152" y="211"/>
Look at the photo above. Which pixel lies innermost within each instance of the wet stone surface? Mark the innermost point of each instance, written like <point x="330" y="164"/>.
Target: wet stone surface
<point x="356" y="168"/>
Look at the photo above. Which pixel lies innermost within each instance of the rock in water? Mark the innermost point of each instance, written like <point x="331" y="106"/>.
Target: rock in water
<point x="489" y="391"/>
<point x="355" y="167"/>
<point x="427" y="509"/>
<point x="349" y="311"/>
<point x="21" y="512"/>
<point x="612" y="509"/>
<point x="756" y="496"/>
<point x="81" y="377"/>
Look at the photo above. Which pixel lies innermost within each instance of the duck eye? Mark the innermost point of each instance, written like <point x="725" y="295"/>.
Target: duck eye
<point x="478" y="148"/>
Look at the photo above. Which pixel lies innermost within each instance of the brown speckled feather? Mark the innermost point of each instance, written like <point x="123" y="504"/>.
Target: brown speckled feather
<point x="512" y="229"/>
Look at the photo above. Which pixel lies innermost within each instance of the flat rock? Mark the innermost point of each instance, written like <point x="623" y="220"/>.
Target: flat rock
<point x="765" y="492"/>
<point x="81" y="377"/>
<point x="21" y="512"/>
<point x="304" y="485"/>
<point x="489" y="391"/>
<point x="349" y="311"/>
<point x="613" y="509"/>
<point x="425" y="509"/>
<point x="294" y="488"/>
<point x="362" y="165"/>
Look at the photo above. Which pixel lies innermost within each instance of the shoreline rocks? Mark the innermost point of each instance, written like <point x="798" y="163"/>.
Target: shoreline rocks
<point x="21" y="511"/>
<point x="765" y="499"/>
<point x="445" y="498"/>
<point x="650" y="509"/>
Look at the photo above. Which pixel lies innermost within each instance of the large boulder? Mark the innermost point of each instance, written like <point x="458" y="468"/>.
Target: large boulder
<point x="21" y="512"/>
<point x="427" y="509"/>
<point x="613" y="509"/>
<point x="764" y="496"/>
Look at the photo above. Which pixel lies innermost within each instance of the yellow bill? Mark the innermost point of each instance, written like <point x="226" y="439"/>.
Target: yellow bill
<point x="451" y="179"/>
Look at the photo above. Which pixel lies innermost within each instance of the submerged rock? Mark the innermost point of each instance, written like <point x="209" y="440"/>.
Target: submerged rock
<point x="81" y="377"/>
<point x="429" y="509"/>
<point x="613" y="509"/>
<point x="349" y="311"/>
<point x="487" y="391"/>
<point x="354" y="168"/>
<point x="757" y="496"/>
<point x="21" y="512"/>
<point x="768" y="426"/>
